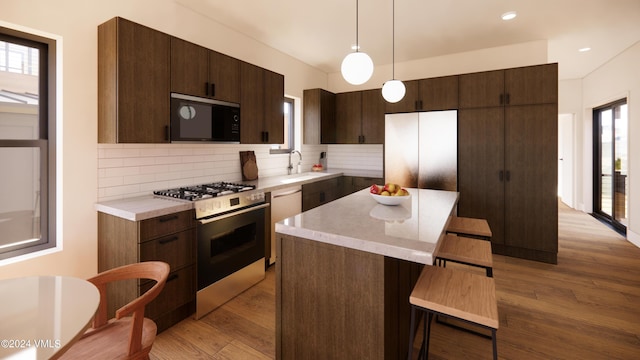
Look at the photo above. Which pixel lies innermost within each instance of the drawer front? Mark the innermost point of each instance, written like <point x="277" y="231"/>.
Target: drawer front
<point x="166" y="224"/>
<point x="179" y="289"/>
<point x="178" y="250"/>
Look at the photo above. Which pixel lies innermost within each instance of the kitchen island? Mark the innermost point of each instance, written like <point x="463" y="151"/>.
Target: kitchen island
<point x="345" y="270"/>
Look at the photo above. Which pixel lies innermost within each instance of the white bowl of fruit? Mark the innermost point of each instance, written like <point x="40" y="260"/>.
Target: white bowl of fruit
<point x="389" y="194"/>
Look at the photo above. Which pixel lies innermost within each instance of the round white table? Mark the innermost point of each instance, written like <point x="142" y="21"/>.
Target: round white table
<point x="41" y="316"/>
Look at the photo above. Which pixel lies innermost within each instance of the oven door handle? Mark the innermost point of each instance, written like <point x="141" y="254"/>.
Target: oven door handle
<point x="239" y="212"/>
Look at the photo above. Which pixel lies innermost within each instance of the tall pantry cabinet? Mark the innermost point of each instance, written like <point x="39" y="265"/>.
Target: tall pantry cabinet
<point x="507" y="157"/>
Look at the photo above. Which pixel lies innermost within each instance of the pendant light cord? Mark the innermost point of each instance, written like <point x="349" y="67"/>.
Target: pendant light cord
<point x="393" y="40"/>
<point x="357" y="42"/>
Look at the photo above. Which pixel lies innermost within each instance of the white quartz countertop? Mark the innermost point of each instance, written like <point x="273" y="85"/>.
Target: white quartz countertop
<point x="272" y="183"/>
<point x="143" y="207"/>
<point x="409" y="231"/>
<point x="146" y="207"/>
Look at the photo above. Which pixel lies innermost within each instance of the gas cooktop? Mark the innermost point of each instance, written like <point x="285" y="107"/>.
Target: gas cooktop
<point x="216" y="198"/>
<point x="205" y="191"/>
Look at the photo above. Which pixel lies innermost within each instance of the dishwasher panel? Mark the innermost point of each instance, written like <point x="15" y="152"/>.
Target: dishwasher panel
<point x="284" y="203"/>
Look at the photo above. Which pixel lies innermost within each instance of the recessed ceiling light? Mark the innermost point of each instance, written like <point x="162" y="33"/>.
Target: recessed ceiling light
<point x="509" y="15"/>
<point x="584" y="49"/>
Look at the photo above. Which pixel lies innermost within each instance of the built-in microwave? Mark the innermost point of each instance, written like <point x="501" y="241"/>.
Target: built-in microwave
<point x="195" y="119"/>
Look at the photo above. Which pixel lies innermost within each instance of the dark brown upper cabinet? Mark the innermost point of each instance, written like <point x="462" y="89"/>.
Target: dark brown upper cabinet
<point x="198" y="71"/>
<point x="517" y="86"/>
<point x="373" y="105"/>
<point x="274" y="107"/>
<point x="261" y="105"/>
<point x="532" y="85"/>
<point x="360" y="117"/>
<point x="348" y="117"/>
<point x="133" y="83"/>
<point x="139" y="67"/>
<point x="439" y="93"/>
<point x="319" y="116"/>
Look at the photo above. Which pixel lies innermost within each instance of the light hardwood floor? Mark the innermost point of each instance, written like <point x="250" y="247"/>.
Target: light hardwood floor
<point x="586" y="307"/>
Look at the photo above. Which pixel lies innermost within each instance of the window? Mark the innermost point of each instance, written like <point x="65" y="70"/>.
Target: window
<point x="289" y="129"/>
<point x="27" y="143"/>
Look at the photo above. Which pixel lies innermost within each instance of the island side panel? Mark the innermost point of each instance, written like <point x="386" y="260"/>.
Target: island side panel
<point x="400" y="278"/>
<point x="329" y="302"/>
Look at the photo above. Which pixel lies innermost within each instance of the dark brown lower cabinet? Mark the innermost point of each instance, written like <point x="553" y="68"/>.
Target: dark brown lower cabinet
<point x="351" y="184"/>
<point x="507" y="174"/>
<point x="320" y="192"/>
<point x="170" y="238"/>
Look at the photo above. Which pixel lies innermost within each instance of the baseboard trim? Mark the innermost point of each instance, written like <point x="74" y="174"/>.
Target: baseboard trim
<point x="633" y="238"/>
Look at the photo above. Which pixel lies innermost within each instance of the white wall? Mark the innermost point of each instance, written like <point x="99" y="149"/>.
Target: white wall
<point x="617" y="79"/>
<point x="75" y="22"/>
<point x="570" y="102"/>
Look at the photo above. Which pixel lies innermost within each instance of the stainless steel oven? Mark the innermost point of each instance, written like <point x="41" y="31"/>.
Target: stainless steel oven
<point x="231" y="240"/>
<point x="231" y="256"/>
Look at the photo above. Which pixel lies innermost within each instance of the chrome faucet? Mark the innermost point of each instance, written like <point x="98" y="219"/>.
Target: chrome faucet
<point x="290" y="167"/>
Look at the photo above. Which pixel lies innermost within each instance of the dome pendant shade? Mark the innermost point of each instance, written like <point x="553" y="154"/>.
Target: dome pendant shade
<point x="393" y="90"/>
<point x="357" y="68"/>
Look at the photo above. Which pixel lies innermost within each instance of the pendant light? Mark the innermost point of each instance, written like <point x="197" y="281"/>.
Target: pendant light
<point x="393" y="90"/>
<point x="357" y="67"/>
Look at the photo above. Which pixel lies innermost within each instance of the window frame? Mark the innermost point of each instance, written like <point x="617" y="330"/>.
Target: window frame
<point x="46" y="142"/>
<point x="598" y="212"/>
<point x="292" y="127"/>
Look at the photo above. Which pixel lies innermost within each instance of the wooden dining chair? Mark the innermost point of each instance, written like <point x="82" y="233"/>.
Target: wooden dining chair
<point x="129" y="335"/>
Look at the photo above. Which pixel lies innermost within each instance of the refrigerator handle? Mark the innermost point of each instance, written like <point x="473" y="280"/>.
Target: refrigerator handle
<point x="501" y="175"/>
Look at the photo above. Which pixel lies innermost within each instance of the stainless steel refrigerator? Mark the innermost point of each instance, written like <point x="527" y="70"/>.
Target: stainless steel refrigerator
<point x="421" y="150"/>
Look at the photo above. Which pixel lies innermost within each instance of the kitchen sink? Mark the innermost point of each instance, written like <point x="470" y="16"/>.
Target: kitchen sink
<point x="301" y="177"/>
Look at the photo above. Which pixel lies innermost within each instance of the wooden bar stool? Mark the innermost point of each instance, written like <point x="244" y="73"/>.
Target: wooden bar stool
<point x="456" y="294"/>
<point x="470" y="227"/>
<point x="466" y="251"/>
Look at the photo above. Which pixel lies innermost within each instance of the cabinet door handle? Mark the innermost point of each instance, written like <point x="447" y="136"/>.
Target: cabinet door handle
<point x="266" y="136"/>
<point x="501" y="175"/>
<point x="167" y="133"/>
<point x="420" y="104"/>
<point x="206" y="88"/>
<point x="501" y="99"/>
<point x="415" y="105"/>
<point x="168" y="218"/>
<point x="168" y="240"/>
<point x="213" y="89"/>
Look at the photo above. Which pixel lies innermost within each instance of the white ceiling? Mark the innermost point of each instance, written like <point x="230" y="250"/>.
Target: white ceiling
<point x="321" y="32"/>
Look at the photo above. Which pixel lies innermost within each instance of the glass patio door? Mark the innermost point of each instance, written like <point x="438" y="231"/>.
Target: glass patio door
<point x="611" y="164"/>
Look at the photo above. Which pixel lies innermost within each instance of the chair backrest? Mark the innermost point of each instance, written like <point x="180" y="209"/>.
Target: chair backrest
<point x="154" y="270"/>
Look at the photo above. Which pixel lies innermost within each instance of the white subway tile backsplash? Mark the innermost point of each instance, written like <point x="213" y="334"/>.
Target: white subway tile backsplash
<point x="356" y="157"/>
<point x="106" y="182"/>
<point x="127" y="170"/>
<point x="138" y="179"/>
<point x="109" y="163"/>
